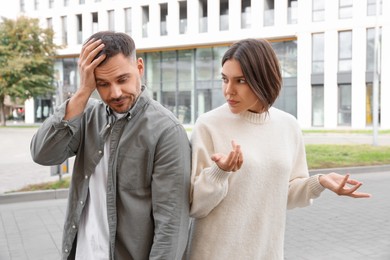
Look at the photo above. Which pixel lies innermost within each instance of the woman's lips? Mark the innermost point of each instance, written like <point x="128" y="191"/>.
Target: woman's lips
<point x="232" y="102"/>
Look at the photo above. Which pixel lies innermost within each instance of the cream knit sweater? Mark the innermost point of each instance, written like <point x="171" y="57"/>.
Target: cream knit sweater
<point x="242" y="215"/>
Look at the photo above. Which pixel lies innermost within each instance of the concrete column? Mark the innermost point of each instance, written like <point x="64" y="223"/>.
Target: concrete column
<point x="330" y="78"/>
<point x="358" y="97"/>
<point x="304" y="79"/>
<point x="257" y="14"/>
<point x="192" y="17"/>
<point x="280" y="13"/>
<point x="213" y="16"/>
<point x="173" y="18"/>
<point x="385" y="76"/>
<point x="234" y="16"/>
<point x="154" y="20"/>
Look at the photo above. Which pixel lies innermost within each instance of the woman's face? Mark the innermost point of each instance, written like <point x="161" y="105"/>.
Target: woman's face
<point x="236" y="90"/>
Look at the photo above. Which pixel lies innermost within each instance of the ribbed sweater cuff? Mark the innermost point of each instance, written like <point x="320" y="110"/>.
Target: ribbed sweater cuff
<point x="218" y="175"/>
<point x="315" y="186"/>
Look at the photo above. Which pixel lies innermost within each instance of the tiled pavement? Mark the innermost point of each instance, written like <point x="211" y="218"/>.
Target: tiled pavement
<point x="333" y="228"/>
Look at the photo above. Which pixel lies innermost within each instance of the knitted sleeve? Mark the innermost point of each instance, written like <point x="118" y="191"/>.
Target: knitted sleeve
<point x="302" y="188"/>
<point x="209" y="184"/>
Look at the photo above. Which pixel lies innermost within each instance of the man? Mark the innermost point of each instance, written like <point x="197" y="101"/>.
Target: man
<point x="130" y="186"/>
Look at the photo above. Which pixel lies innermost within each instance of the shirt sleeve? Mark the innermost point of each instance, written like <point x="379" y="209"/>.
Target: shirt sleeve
<point x="209" y="184"/>
<point x="170" y="194"/>
<point x="56" y="139"/>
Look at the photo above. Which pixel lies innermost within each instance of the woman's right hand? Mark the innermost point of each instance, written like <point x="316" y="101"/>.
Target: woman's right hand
<point x="232" y="162"/>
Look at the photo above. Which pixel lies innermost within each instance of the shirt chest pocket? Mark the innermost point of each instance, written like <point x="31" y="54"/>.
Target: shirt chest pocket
<point x="133" y="170"/>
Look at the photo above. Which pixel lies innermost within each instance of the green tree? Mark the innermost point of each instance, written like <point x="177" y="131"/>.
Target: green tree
<point x="27" y="56"/>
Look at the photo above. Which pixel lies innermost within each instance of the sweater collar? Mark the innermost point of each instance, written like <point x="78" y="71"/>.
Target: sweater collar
<point x="255" y="118"/>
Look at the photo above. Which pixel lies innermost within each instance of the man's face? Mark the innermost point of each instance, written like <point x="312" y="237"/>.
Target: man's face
<point x="118" y="82"/>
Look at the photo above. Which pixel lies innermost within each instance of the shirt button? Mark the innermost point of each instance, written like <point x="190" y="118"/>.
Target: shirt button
<point x="65" y="124"/>
<point x="74" y="226"/>
<point x="86" y="176"/>
<point x="100" y="151"/>
<point x="81" y="202"/>
<point x="66" y="250"/>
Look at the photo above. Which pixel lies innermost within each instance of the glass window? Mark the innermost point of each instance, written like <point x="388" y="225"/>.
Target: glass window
<point x="317" y="105"/>
<point x="168" y="75"/>
<point x="163" y="19"/>
<point x="153" y="74"/>
<point x="70" y="77"/>
<point x="183" y="17"/>
<point x="344" y="105"/>
<point x="345" y="9"/>
<point x="287" y="55"/>
<point x="64" y="26"/>
<point x="370" y="104"/>
<point x="185" y="85"/>
<point x="95" y="23"/>
<point x="371" y="7"/>
<point x="318" y="10"/>
<point x="204" y="61"/>
<point x="111" y="20"/>
<point x="128" y="29"/>
<point x="292" y="12"/>
<point x="66" y="2"/>
<point x="269" y="12"/>
<point x="51" y="3"/>
<point x="202" y="16"/>
<point x="81" y="2"/>
<point x="246" y="20"/>
<point x="370" y="50"/>
<point x="317" y="53"/>
<point x="145" y="21"/>
<point x="218" y="53"/>
<point x="79" y="28"/>
<point x="345" y="51"/>
<point x="22" y="6"/>
<point x="36" y="5"/>
<point x="224" y="15"/>
<point x="49" y="22"/>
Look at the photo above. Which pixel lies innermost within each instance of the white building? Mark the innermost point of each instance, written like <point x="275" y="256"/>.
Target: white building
<point x="326" y="50"/>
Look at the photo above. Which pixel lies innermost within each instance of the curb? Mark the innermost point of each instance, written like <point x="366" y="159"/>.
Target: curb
<point x="353" y="170"/>
<point x="16" y="197"/>
<point x="33" y="196"/>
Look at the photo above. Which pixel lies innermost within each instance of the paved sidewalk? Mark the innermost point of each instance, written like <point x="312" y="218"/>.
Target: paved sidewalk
<point x="333" y="228"/>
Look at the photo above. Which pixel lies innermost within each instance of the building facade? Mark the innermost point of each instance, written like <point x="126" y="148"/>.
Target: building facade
<point x="327" y="52"/>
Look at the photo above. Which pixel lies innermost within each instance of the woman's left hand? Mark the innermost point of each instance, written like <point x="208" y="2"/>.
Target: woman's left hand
<point x="339" y="185"/>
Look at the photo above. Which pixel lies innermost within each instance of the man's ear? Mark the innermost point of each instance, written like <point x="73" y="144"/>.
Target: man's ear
<point x="140" y="66"/>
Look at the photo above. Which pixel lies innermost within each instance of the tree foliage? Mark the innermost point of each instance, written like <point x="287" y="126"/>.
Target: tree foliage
<point x="26" y="60"/>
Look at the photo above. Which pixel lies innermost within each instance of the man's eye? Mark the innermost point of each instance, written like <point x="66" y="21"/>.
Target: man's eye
<point x="224" y="80"/>
<point x="122" y="80"/>
<point x="101" y="84"/>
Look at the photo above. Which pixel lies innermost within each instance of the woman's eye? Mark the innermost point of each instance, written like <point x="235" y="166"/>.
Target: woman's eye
<point x="242" y="81"/>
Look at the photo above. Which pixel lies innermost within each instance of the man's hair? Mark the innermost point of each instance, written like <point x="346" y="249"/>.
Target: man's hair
<point x="260" y="67"/>
<point x="114" y="43"/>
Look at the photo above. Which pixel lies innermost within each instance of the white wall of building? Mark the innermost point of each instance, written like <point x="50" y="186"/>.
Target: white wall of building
<point x="301" y="31"/>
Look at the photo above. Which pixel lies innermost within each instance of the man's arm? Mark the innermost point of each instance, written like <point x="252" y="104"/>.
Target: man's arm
<point x="170" y="194"/>
<point x="56" y="139"/>
<point x="87" y="66"/>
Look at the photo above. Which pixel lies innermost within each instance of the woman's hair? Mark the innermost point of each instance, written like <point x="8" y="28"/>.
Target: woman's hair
<point x="260" y="67"/>
<point x="114" y="43"/>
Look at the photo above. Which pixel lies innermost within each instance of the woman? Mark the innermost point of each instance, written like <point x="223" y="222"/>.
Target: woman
<point x="249" y="164"/>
